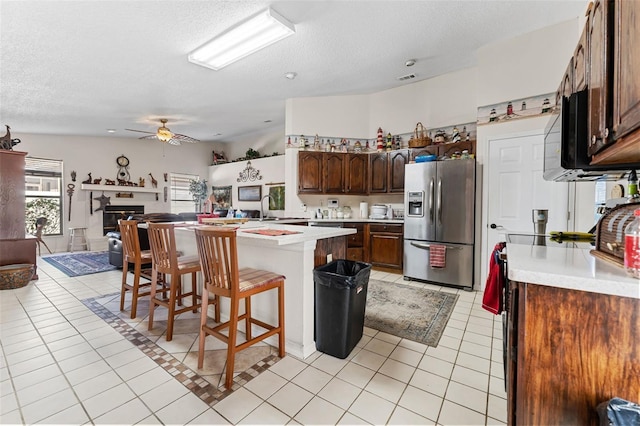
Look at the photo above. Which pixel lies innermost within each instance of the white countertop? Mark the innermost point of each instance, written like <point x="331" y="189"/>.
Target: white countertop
<point x="398" y="221"/>
<point x="570" y="268"/>
<point x="304" y="233"/>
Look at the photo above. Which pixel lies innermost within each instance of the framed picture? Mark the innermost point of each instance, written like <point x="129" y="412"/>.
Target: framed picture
<point x="250" y="193"/>
<point x="222" y="195"/>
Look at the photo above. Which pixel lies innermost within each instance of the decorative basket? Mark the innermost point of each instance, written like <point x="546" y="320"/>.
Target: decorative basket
<point x="419" y="138"/>
<point x="15" y="276"/>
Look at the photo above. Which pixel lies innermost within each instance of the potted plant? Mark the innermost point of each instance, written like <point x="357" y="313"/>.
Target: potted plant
<point x="198" y="191"/>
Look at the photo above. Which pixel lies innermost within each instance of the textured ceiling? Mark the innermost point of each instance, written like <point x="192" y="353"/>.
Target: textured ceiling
<point x="81" y="67"/>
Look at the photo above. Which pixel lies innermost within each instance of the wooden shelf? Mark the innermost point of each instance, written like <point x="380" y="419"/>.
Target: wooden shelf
<point x="119" y="188"/>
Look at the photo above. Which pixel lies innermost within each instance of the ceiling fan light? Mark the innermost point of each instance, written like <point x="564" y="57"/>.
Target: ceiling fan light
<point x="258" y="32"/>
<point x="164" y="134"/>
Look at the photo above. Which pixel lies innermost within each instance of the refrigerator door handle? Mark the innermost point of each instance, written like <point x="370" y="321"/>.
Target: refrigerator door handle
<point x="428" y="246"/>
<point x="439" y="200"/>
<point x="431" y="200"/>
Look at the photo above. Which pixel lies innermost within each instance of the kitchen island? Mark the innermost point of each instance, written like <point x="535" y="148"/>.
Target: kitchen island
<point x="291" y="255"/>
<point x="573" y="325"/>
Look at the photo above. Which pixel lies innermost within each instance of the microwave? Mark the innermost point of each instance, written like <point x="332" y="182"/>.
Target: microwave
<point x="566" y="141"/>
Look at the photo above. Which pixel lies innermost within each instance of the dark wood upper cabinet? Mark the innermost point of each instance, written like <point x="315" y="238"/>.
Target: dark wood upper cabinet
<point x="397" y="161"/>
<point x="579" y="62"/>
<point x="356" y="173"/>
<point x="378" y="172"/>
<point x="626" y="66"/>
<point x="599" y="68"/>
<point x="310" y="172"/>
<point x="566" y="85"/>
<point x="334" y="173"/>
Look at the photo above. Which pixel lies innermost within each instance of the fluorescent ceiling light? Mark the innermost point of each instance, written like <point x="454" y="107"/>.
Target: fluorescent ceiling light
<point x="242" y="40"/>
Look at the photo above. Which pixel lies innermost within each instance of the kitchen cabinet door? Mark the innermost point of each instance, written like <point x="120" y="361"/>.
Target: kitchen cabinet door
<point x="579" y="62"/>
<point x="355" y="242"/>
<point x="397" y="160"/>
<point x="378" y="172"/>
<point x="599" y="69"/>
<point x="566" y="86"/>
<point x="385" y="244"/>
<point x="310" y="172"/>
<point x="334" y="173"/>
<point x="626" y="79"/>
<point x="356" y="173"/>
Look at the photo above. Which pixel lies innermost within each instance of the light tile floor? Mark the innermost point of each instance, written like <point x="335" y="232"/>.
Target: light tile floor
<point x="63" y="364"/>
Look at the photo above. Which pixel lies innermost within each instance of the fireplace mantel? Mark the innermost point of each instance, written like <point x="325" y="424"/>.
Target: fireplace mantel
<point x="119" y="188"/>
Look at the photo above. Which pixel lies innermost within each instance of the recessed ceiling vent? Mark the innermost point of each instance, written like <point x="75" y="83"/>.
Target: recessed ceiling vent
<point x="406" y="77"/>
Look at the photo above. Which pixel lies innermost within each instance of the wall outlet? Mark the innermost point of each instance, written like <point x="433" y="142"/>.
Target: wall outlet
<point x="329" y="257"/>
<point x="303" y="207"/>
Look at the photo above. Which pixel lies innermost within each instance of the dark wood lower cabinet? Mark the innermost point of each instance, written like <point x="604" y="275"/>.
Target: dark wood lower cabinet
<point x="385" y="243"/>
<point x="336" y="247"/>
<point x="568" y="351"/>
<point x="355" y="242"/>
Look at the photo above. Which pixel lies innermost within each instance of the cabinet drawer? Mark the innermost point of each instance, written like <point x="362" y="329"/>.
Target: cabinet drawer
<point x="355" y="240"/>
<point x="384" y="227"/>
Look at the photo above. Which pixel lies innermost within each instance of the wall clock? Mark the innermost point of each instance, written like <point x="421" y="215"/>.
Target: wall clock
<point x="123" y="168"/>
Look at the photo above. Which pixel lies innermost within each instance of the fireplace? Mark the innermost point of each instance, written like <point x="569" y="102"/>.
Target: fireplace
<point x="111" y="214"/>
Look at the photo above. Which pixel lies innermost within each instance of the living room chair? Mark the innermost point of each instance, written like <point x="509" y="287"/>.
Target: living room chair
<point x="165" y="260"/>
<point x="132" y="254"/>
<point x="41" y="222"/>
<point x="217" y="249"/>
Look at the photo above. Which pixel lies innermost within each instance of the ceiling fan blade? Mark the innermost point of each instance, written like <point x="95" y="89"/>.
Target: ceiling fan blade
<point x="184" y="138"/>
<point x="173" y="141"/>
<point x="152" y="136"/>
<point x="141" y="131"/>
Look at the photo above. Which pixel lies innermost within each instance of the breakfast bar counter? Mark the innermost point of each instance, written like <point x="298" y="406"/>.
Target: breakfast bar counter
<point x="291" y="255"/>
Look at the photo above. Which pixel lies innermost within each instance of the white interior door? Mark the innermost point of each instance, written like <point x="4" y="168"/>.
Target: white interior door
<point x="516" y="187"/>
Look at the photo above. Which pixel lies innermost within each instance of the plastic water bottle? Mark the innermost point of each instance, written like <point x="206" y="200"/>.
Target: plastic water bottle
<point x="632" y="246"/>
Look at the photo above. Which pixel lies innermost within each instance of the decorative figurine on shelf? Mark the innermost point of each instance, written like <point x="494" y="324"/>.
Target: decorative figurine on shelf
<point x="493" y="116"/>
<point x="333" y="147"/>
<point x="468" y="137"/>
<point x="73" y="175"/>
<point x="397" y="141"/>
<point x="524" y="106"/>
<point x="509" y="109"/>
<point x="141" y="182"/>
<point x="88" y="180"/>
<point x="546" y="106"/>
<point x="6" y="142"/>
<point x="440" y="137"/>
<point x="97" y="181"/>
<point x="165" y="176"/>
<point x="343" y="145"/>
<point x="357" y="147"/>
<point x="366" y="146"/>
<point x="389" y="142"/>
<point x="289" y="142"/>
<point x="154" y="182"/>
<point x="327" y="146"/>
<point x="303" y="142"/>
<point x="455" y="135"/>
<point x="380" y="144"/>
<point x="316" y="143"/>
<point x="110" y="182"/>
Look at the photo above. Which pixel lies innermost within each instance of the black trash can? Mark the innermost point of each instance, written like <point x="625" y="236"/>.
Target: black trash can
<point x="340" y="299"/>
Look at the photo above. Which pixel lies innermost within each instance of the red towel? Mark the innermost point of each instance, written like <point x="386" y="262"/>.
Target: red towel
<point x="437" y="255"/>
<point x="494" y="288"/>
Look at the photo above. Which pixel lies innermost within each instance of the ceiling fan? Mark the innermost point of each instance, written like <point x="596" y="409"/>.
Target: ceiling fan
<point x="165" y="135"/>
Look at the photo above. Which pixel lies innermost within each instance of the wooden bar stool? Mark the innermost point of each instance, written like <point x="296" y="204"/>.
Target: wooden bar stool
<point x="165" y="261"/>
<point x="131" y="253"/>
<point x="219" y="260"/>
<point x="78" y="237"/>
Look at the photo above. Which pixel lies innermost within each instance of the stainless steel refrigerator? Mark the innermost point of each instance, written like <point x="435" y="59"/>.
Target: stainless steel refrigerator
<point x="440" y="211"/>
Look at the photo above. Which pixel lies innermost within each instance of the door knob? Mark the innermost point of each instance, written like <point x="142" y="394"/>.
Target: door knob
<point x="494" y="226"/>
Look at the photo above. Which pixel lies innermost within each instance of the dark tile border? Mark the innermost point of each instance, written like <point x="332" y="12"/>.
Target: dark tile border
<point x="204" y="390"/>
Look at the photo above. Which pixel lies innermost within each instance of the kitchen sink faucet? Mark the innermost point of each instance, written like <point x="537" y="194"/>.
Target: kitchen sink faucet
<point x="261" y="212"/>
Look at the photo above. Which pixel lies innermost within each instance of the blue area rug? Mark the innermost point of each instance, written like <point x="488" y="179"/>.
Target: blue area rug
<point x="81" y="263"/>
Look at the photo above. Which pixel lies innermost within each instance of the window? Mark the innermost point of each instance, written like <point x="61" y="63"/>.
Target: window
<point x="43" y="194"/>
<point x="181" y="199"/>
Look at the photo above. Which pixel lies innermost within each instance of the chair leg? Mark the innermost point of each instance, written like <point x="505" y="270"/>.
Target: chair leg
<point x="152" y="295"/>
<point x="247" y="319"/>
<point x="176" y="283"/>
<point x="231" y="344"/>
<point x="216" y="315"/>
<point x="125" y="270"/>
<point x="281" y="320"/>
<point x="194" y="292"/>
<point x="45" y="244"/>
<point x="136" y="289"/>
<point x="203" y="322"/>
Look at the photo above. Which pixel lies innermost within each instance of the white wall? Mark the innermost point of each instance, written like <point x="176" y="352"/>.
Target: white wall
<point x="98" y="156"/>
<point x="271" y="169"/>
<point x="335" y="116"/>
